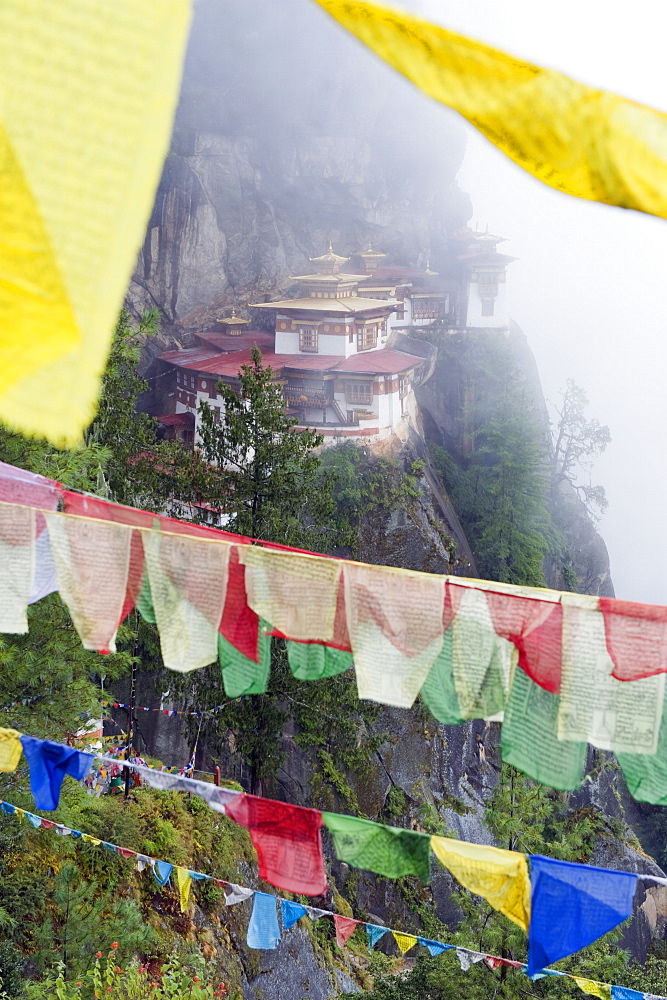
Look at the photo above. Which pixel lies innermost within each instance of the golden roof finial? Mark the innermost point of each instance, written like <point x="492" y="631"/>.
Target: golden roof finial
<point x="331" y="249"/>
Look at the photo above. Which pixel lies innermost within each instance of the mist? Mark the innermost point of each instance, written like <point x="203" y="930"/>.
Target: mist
<point x="334" y="130"/>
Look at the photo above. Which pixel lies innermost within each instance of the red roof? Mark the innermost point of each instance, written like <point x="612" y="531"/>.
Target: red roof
<point x="379" y="362"/>
<point x="228" y="342"/>
<point x="189" y="357"/>
<point x="177" y="419"/>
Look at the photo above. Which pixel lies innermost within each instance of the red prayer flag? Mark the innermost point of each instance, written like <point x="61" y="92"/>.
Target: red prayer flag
<point x="636" y="637"/>
<point x="535" y="628"/>
<point x="287" y="840"/>
<point x="344" y="928"/>
<point x="125" y="852"/>
<point x="240" y="624"/>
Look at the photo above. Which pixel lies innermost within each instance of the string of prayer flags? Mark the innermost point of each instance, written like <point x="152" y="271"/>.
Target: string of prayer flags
<point x="296" y="593"/>
<point x="188" y="582"/>
<point x="573" y="905"/>
<point x="287" y="840"/>
<point x="374" y="932"/>
<point x="395" y="642"/>
<point x="345" y="928"/>
<point x="529" y="737"/>
<point x="49" y="763"/>
<point x="73" y="223"/>
<point x="404" y="941"/>
<point x="291" y="912"/>
<point x="386" y="850"/>
<point x="587" y="142"/>
<point x="500" y="876"/>
<point x="263" y="929"/>
<point x="10" y="749"/>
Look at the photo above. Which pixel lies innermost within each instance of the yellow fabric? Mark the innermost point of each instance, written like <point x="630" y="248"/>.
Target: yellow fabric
<point x="89" y="839"/>
<point x="404" y="941"/>
<point x="87" y="93"/>
<point x="17" y="558"/>
<point x="295" y="593"/>
<point x="10" y="749"/>
<point x="587" y="142"/>
<point x="188" y="580"/>
<point x="183" y="881"/>
<point x="501" y="877"/>
<point x="601" y="990"/>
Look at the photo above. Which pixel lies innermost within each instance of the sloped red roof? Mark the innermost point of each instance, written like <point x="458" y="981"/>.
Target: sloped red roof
<point x="177" y="419"/>
<point x="227" y="342"/>
<point x="380" y="362"/>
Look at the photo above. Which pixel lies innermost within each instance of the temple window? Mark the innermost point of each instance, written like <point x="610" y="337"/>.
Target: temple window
<point x="359" y="392"/>
<point x="487" y="307"/>
<point x="308" y="339"/>
<point x="367" y="337"/>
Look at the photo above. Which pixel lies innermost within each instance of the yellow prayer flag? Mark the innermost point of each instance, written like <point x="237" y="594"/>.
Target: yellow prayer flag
<point x="501" y="877"/>
<point x="586" y="142"/>
<point x="601" y="990"/>
<point x="183" y="881"/>
<point x="87" y="94"/>
<point x="90" y="840"/>
<point x="404" y="941"/>
<point x="10" y="749"/>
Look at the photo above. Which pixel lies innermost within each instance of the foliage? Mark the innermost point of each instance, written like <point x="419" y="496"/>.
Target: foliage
<point x="577" y="441"/>
<point x="266" y="473"/>
<point x="173" y="980"/>
<point x="498" y="479"/>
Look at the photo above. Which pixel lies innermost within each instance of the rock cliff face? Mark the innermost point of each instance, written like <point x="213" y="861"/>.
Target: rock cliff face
<point x="286" y="138"/>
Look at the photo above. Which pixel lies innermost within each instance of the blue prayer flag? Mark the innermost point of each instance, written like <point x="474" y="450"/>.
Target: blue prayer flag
<point x="623" y="993"/>
<point x="572" y="906"/>
<point x="375" y="932"/>
<point x="49" y="763"/>
<point x="291" y="912"/>
<point x="435" y="947"/>
<point x="7" y="808"/>
<point x="197" y="875"/>
<point x="263" y="930"/>
<point x="35" y="820"/>
<point x="162" y="871"/>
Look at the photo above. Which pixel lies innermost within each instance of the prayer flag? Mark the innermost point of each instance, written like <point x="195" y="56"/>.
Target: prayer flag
<point x="435" y="947"/>
<point x="636" y="638"/>
<point x="183" y="882"/>
<point x="188" y="581"/>
<point x="287" y="840"/>
<point x="240" y="624"/>
<point x="623" y="993"/>
<point x="601" y="990"/>
<point x="646" y="773"/>
<point x="374" y="932"/>
<point x="483" y="662"/>
<point x="291" y="912"/>
<point x="594" y="706"/>
<point x="17" y="559"/>
<point x="297" y="593"/>
<point x="73" y="222"/>
<point x="533" y="624"/>
<point x="162" y="870"/>
<point x="395" y="641"/>
<point x="263" y="929"/>
<point x="573" y="905"/>
<point x="49" y="763"/>
<point x="500" y="876"/>
<point x="242" y="674"/>
<point x="586" y="142"/>
<point x="404" y="941"/>
<point x="8" y="808"/>
<point x="438" y="690"/>
<point x="529" y="737"/>
<point x="345" y="928"/>
<point x="92" y="561"/>
<point x="386" y="850"/>
<point x="236" y="894"/>
<point x="467" y="958"/>
<point x="10" y="749"/>
<point x="310" y="661"/>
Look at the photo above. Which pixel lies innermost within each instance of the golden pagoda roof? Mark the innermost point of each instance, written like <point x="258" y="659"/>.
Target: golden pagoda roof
<point x="330" y="279"/>
<point x="370" y="253"/>
<point x="232" y="320"/>
<point x="351" y="304"/>
<point x="329" y="258"/>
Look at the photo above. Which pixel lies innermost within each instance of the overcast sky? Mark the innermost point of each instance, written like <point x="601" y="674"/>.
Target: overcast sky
<point x="590" y="286"/>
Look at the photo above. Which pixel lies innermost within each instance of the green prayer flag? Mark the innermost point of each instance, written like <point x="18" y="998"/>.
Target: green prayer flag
<point x="438" y="690"/>
<point x="529" y="739"/>
<point x="646" y="774"/>
<point x="309" y="661"/>
<point x="386" y="850"/>
<point x="240" y="674"/>
<point x="145" y="601"/>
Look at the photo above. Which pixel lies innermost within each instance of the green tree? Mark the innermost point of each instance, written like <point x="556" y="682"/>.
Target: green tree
<point x="577" y="442"/>
<point x="267" y="477"/>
